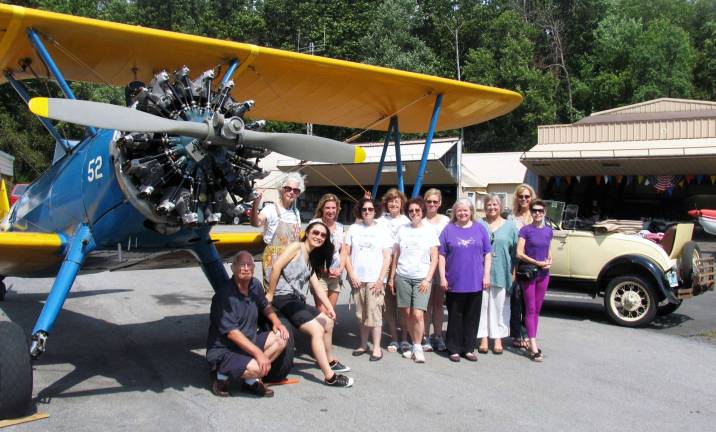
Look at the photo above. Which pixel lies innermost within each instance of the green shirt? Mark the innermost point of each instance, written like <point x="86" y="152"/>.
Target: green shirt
<point x="504" y="251"/>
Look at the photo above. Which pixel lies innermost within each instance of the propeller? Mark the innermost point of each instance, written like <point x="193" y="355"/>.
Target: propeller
<point x="107" y="116"/>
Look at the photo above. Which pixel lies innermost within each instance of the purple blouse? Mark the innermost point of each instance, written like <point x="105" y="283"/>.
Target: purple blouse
<point x="464" y="250"/>
<point x="537" y="242"/>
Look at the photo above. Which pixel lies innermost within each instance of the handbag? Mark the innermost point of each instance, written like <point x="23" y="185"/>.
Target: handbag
<point x="526" y="272"/>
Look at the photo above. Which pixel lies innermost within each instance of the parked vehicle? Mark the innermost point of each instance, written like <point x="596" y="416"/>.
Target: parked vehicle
<point x="638" y="278"/>
<point x="17" y="192"/>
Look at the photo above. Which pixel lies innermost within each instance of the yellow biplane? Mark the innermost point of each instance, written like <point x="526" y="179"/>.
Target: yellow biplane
<point x="155" y="175"/>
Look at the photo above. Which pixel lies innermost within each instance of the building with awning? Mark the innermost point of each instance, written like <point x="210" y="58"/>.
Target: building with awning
<point x="654" y="157"/>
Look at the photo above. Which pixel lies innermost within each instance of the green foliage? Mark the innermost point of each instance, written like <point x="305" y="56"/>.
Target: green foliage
<point x="567" y="58"/>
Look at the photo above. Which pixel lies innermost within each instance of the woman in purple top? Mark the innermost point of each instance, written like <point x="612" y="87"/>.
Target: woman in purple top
<point x="464" y="265"/>
<point x="533" y="248"/>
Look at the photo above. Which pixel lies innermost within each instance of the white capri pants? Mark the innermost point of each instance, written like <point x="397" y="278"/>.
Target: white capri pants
<point x="495" y="314"/>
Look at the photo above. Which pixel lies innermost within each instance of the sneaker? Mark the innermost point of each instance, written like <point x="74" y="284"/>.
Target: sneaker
<point x="439" y="344"/>
<point x="419" y="357"/>
<point x="219" y="387"/>
<point x="427" y="347"/>
<point x="405" y="346"/>
<point x="339" y="381"/>
<point x="408" y="353"/>
<point x="258" y="388"/>
<point x="337" y="366"/>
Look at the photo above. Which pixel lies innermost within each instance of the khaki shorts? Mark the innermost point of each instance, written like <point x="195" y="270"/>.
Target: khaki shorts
<point x="330" y="285"/>
<point x="369" y="306"/>
<point x="408" y="294"/>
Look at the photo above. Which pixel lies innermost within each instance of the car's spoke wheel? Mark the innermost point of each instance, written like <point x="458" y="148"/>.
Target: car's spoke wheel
<point x="630" y="301"/>
<point x="689" y="261"/>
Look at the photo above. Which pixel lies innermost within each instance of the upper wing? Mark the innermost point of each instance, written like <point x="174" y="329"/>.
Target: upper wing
<point x="286" y="86"/>
<point x="30" y="254"/>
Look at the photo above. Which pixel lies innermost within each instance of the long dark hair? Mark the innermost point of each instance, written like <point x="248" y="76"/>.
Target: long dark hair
<point x="320" y="257"/>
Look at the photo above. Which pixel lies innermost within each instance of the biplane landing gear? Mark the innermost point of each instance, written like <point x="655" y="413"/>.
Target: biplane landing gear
<point x="15" y="372"/>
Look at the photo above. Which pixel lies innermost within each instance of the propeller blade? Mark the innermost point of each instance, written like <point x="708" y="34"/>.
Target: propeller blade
<point x="107" y="116"/>
<point x="305" y="147"/>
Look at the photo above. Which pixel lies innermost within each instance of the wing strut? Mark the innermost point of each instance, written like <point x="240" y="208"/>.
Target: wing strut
<point x="34" y="39"/>
<point x="393" y="132"/>
<point x="81" y="244"/>
<point x="426" y="149"/>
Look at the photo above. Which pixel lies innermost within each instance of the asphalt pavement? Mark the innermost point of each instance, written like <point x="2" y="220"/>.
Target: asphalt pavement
<point x="127" y="354"/>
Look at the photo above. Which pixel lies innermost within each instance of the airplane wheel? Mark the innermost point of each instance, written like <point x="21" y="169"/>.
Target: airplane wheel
<point x="15" y="372"/>
<point x="284" y="363"/>
<point x="3" y="290"/>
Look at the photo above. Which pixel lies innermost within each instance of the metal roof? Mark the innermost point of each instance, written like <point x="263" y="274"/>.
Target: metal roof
<point x="6" y="164"/>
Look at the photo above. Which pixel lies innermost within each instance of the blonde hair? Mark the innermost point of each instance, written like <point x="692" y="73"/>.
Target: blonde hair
<point x="465" y="202"/>
<point x="329" y="197"/>
<point x="392" y="194"/>
<point x="433" y="191"/>
<point x="516" y="201"/>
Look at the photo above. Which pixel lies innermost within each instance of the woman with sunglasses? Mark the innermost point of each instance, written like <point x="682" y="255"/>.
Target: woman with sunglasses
<point x="533" y="248"/>
<point x="412" y="269"/>
<point x="330" y="278"/>
<point x="281" y="221"/>
<point x="495" y="312"/>
<point x="437" y="221"/>
<point x="292" y="271"/>
<point x="367" y="256"/>
<point x="464" y="265"/>
<point x="523" y="195"/>
<point x="393" y="218"/>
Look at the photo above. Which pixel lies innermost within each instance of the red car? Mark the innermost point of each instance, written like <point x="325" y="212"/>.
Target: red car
<point x="17" y="192"/>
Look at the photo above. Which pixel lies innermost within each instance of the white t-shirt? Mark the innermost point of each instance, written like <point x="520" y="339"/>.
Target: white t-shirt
<point x="438" y="227"/>
<point x="393" y="224"/>
<point x="367" y="244"/>
<point x="415" y="244"/>
<point x="337" y="239"/>
<point x="270" y="212"/>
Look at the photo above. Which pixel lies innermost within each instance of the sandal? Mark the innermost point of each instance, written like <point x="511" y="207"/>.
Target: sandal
<point x="359" y="352"/>
<point x="393" y="347"/>
<point x="483" y="350"/>
<point x="536" y="356"/>
<point x="520" y="343"/>
<point x="496" y="350"/>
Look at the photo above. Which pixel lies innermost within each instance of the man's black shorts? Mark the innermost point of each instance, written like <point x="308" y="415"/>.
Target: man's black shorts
<point x="234" y="363"/>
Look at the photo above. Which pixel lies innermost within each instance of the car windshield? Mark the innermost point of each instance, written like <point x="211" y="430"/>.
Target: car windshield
<point x="555" y="212"/>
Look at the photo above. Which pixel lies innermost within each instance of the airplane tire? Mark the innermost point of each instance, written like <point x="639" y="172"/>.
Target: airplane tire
<point x="283" y="363"/>
<point x="15" y="372"/>
<point x="3" y="290"/>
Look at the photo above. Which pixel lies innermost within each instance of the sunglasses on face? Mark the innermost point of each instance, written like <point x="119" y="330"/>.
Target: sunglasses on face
<point x="290" y="189"/>
<point x="537" y="210"/>
<point x="526" y="197"/>
<point x="432" y="202"/>
<point x="415" y="210"/>
<point x="367" y="210"/>
<point x="318" y="233"/>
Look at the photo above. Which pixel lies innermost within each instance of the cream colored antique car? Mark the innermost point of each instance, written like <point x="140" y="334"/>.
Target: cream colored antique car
<point x="637" y="278"/>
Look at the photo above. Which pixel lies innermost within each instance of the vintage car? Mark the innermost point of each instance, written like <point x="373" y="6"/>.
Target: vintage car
<point x="638" y="278"/>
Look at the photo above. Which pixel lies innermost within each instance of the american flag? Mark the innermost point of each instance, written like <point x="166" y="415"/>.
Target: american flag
<point x="664" y="183"/>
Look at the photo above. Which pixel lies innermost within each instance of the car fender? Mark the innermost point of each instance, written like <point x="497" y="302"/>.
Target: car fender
<point x="638" y="265"/>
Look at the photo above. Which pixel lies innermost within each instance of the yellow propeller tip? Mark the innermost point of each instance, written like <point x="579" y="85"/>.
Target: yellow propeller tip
<point x="39" y="106"/>
<point x="359" y="155"/>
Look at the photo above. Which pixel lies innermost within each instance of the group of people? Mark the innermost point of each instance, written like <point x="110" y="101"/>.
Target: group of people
<point x="403" y="261"/>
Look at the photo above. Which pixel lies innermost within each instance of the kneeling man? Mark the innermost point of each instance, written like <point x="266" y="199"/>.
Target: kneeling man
<point x="235" y="348"/>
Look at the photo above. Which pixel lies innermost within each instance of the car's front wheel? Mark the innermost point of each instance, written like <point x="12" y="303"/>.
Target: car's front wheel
<point x="630" y="301"/>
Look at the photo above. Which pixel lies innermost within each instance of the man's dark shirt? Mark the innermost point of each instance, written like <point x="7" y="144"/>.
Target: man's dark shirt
<point x="231" y="310"/>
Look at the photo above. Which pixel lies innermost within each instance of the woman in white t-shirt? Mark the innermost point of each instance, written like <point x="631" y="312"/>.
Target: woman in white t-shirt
<point x="330" y="279"/>
<point x="281" y="221"/>
<point x="393" y="218"/>
<point x="367" y="249"/>
<point x="412" y="270"/>
<point x="433" y="200"/>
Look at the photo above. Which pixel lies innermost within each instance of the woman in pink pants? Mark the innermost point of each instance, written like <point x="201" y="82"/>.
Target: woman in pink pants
<point x="533" y="248"/>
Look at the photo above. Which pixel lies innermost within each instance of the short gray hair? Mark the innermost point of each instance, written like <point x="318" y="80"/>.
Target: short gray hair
<point x="492" y="197"/>
<point x="293" y="177"/>
<point x="466" y="202"/>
